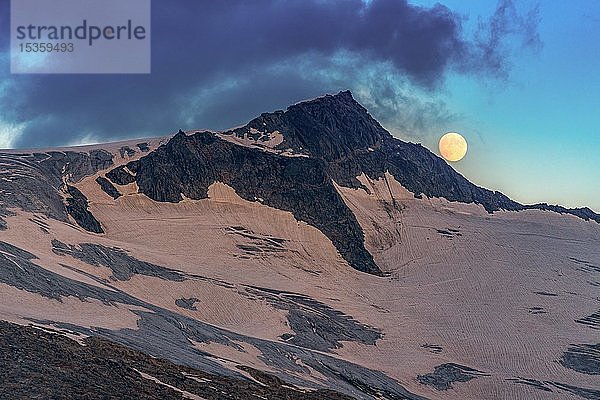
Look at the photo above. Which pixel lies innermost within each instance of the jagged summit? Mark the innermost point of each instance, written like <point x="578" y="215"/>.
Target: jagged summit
<point x="340" y="131"/>
<point x="328" y="127"/>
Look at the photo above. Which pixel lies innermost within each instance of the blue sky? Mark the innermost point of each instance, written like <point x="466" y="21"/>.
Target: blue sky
<point x="536" y="135"/>
<point x="519" y="79"/>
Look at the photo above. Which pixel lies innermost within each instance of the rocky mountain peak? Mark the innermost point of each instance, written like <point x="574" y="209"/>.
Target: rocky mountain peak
<point x="339" y="131"/>
<point x="329" y="127"/>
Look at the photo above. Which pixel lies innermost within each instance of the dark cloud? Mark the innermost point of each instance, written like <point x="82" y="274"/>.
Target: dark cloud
<point x="489" y="45"/>
<point x="218" y="63"/>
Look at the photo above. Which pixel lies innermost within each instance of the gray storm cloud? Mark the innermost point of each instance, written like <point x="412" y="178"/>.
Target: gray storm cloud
<point x="217" y="64"/>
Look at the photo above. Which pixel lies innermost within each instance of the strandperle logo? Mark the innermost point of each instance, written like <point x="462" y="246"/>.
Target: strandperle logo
<point x="80" y="36"/>
<point x="85" y="31"/>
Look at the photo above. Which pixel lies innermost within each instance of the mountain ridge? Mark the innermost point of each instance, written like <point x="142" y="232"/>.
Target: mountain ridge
<point x="333" y="136"/>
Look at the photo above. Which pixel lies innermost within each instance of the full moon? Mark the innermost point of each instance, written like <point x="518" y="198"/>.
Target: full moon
<point x="453" y="146"/>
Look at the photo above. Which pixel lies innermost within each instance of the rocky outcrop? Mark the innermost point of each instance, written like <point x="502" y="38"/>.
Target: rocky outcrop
<point x="77" y="207"/>
<point x="583" y="358"/>
<point x="126" y="150"/>
<point x="123" y="266"/>
<point x="187" y="303"/>
<point x="583" y="213"/>
<point x="120" y="176"/>
<point x="37" y="182"/>
<point x="18" y="269"/>
<point x="144" y="147"/>
<point x="108" y="187"/>
<point x="315" y="325"/>
<point x="444" y="375"/>
<point x="74" y="165"/>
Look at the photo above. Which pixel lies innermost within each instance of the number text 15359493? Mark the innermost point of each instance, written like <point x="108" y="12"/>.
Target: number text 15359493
<point x="36" y="47"/>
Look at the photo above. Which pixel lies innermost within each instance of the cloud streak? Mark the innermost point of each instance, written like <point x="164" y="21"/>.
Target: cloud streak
<point x="216" y="64"/>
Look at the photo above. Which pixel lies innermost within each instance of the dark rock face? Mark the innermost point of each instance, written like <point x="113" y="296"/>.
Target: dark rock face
<point x="144" y="147"/>
<point x="108" y="187"/>
<point x="434" y="178"/>
<point x="316" y="326"/>
<point x="330" y="127"/>
<point x="77" y="207"/>
<point x="17" y="269"/>
<point x="550" y="386"/>
<point x="187" y="303"/>
<point x="123" y="265"/>
<point x="584" y="358"/>
<point x="120" y="176"/>
<point x="188" y="165"/>
<point x="126" y="150"/>
<point x="257" y="245"/>
<point x="444" y="375"/>
<point x="30" y="187"/>
<point x="16" y="252"/>
<point x="77" y="165"/>
<point x="583" y="213"/>
<point x="593" y="320"/>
